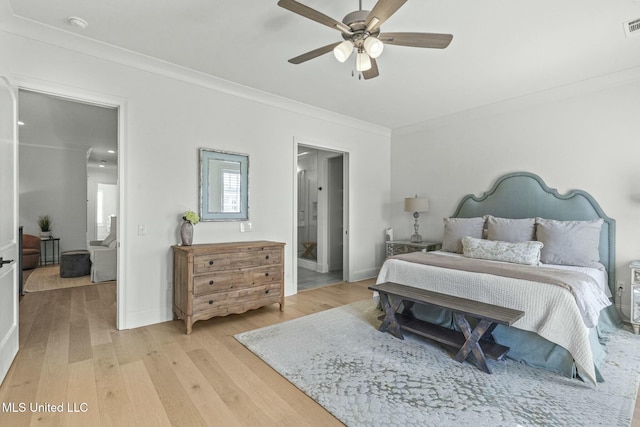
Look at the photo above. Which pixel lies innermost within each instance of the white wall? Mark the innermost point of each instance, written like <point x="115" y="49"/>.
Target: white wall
<point x="168" y="120"/>
<point x="583" y="138"/>
<point x="53" y="181"/>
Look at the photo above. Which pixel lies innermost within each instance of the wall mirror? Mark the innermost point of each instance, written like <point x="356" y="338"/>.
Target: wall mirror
<point x="224" y="186"/>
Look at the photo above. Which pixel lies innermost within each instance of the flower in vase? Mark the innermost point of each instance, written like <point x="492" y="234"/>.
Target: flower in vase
<point x="191" y="216"/>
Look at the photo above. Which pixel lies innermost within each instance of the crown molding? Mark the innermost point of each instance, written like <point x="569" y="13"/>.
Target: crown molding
<point x="531" y="100"/>
<point x="40" y="33"/>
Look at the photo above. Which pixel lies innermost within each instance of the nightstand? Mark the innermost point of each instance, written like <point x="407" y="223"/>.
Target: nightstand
<point x="396" y="247"/>
<point x="634" y="315"/>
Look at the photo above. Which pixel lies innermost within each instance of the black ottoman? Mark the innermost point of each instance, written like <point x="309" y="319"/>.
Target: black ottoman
<point x="75" y="263"/>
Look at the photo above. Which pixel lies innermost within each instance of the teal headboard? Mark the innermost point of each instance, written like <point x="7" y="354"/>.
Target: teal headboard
<point x="525" y="195"/>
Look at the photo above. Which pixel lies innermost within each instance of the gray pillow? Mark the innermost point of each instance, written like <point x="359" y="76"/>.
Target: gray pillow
<point x="511" y="230"/>
<point x="569" y="242"/>
<point x="457" y="228"/>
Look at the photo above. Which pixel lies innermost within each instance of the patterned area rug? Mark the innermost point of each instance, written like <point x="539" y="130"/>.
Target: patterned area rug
<point x="367" y="378"/>
<point x="48" y="278"/>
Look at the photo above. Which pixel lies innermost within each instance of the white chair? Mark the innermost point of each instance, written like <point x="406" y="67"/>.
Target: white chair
<point x="104" y="256"/>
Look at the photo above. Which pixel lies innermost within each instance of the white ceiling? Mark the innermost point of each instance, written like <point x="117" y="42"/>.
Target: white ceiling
<point x="501" y="49"/>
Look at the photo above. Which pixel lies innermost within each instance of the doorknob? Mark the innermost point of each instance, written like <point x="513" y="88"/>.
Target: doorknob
<point x="3" y="262"/>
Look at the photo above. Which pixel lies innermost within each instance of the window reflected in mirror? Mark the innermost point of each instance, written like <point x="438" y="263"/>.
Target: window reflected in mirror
<point x="224" y="186"/>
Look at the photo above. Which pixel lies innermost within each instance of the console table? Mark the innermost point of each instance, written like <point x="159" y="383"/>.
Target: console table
<point x="55" y="250"/>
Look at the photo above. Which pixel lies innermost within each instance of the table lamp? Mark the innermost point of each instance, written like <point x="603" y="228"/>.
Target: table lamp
<point x="416" y="205"/>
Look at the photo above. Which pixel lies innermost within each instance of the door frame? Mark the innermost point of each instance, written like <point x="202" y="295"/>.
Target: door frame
<point x="83" y="96"/>
<point x="297" y="142"/>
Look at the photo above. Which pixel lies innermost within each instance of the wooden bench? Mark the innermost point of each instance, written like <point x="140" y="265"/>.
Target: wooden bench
<point x="479" y="341"/>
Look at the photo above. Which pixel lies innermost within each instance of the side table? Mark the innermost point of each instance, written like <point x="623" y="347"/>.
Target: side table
<point x="396" y="247"/>
<point x="55" y="250"/>
<point x="634" y="315"/>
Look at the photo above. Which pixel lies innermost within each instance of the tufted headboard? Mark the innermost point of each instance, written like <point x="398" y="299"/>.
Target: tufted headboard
<point x="525" y="195"/>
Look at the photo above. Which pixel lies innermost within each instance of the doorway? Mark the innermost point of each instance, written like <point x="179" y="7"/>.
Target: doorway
<point x="321" y="230"/>
<point x="68" y="164"/>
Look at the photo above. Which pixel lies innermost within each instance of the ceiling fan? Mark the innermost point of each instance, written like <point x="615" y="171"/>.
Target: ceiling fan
<point x="361" y="33"/>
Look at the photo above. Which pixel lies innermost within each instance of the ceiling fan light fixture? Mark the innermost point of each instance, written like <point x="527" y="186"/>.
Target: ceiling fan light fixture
<point x="363" y="61"/>
<point x="373" y="46"/>
<point x="342" y="52"/>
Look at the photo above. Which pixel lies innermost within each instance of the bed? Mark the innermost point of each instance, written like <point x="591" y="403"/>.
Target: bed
<point x="568" y="308"/>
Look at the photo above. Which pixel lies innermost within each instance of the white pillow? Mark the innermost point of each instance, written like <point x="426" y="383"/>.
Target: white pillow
<point x="519" y="253"/>
<point x="109" y="239"/>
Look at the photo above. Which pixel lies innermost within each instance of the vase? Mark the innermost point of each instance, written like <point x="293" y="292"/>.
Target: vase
<point x="186" y="233"/>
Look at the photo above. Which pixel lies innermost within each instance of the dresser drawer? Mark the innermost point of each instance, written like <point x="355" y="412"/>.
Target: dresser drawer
<point x="236" y="299"/>
<point x="236" y="260"/>
<point x="228" y="280"/>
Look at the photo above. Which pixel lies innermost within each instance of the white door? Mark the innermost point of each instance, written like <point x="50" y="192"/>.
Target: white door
<point x="8" y="227"/>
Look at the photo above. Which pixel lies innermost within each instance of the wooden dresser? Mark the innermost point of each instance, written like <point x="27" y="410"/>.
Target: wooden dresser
<point x="223" y="278"/>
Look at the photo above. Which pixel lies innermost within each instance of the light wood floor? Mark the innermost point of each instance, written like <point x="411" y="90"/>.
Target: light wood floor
<point x="71" y="353"/>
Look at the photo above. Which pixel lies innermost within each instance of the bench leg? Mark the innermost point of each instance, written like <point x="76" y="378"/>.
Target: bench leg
<point x="390" y="323"/>
<point x="472" y="344"/>
<point x="406" y="310"/>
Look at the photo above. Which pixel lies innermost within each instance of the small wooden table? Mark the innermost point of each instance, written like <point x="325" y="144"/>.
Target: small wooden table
<point x="309" y="247"/>
<point x="479" y="341"/>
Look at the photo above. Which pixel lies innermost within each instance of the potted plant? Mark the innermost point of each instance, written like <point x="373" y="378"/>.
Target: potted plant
<point x="44" y="222"/>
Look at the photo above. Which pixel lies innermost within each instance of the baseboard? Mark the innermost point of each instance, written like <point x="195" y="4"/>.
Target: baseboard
<point x="307" y="264"/>
<point x="360" y="275"/>
<point x="137" y="319"/>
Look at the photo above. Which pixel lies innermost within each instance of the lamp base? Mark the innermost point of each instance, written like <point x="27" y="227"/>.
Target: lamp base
<point x="416" y="238"/>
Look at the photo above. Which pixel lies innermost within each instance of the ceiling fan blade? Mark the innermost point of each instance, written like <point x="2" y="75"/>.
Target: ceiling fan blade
<point x="371" y="72"/>
<point x="313" y="54"/>
<point x="432" y="40"/>
<point x="314" y="15"/>
<point x="381" y="12"/>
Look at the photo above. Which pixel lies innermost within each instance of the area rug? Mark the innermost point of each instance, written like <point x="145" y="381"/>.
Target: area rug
<point x="48" y="278"/>
<point x="368" y="378"/>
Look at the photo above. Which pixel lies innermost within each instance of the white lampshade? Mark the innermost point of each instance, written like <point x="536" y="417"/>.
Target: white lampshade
<point x="363" y="62"/>
<point x="416" y="204"/>
<point x="373" y="46"/>
<point x="343" y="51"/>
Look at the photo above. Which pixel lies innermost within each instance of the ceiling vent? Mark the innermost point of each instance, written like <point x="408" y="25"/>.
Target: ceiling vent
<point x="632" y="28"/>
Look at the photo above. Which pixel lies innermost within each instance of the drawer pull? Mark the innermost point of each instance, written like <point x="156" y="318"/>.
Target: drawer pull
<point x="266" y="274"/>
<point x="211" y="282"/>
<point x="210" y="262"/>
<point x="266" y="257"/>
<point x="210" y="301"/>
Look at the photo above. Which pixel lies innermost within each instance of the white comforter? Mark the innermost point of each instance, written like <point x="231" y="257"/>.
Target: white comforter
<point x="550" y="310"/>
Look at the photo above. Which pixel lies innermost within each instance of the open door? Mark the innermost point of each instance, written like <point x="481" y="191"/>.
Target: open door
<point x="8" y="226"/>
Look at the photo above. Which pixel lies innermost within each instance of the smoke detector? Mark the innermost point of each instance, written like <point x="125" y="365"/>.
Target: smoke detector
<point x="78" y="22"/>
<point x="632" y="28"/>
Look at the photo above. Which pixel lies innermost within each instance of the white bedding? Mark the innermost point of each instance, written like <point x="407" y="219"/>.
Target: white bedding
<point x="550" y="311"/>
